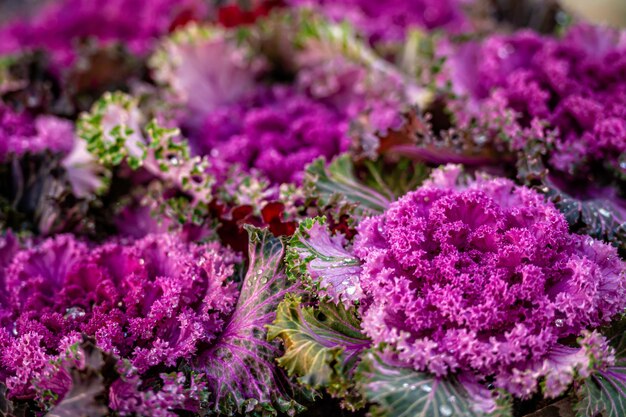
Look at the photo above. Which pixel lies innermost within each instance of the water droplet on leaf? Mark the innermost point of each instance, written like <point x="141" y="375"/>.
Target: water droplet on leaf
<point x="74" y="313"/>
<point x="445" y="410"/>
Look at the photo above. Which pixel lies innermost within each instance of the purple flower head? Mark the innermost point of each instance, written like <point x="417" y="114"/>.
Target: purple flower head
<point x="390" y="20"/>
<point x="482" y="278"/>
<point x="62" y="23"/>
<point x="21" y="133"/>
<point x="152" y="301"/>
<point x="574" y="85"/>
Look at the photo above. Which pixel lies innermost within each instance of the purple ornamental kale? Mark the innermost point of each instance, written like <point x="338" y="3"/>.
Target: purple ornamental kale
<point x="278" y="133"/>
<point x="282" y="128"/>
<point x="152" y="301"/>
<point x="21" y="133"/>
<point x="390" y="20"/>
<point x="232" y="115"/>
<point x="525" y="82"/>
<point x="58" y="26"/>
<point x="484" y="279"/>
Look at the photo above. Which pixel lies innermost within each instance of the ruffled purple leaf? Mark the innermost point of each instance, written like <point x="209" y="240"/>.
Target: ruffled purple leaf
<point x="21" y="133"/>
<point x="203" y="69"/>
<point x="91" y="372"/>
<point x="317" y="256"/>
<point x="240" y="366"/>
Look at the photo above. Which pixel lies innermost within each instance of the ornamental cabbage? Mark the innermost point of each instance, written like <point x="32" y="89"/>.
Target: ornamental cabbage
<point x="240" y="113"/>
<point x="573" y="85"/>
<point x="151" y="302"/>
<point x="468" y="284"/>
<point x="159" y="305"/>
<point x="483" y="278"/>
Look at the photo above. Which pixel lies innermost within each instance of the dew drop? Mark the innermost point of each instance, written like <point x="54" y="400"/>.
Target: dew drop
<point x="604" y="212"/>
<point x="14" y="331"/>
<point x="74" y="313"/>
<point x="445" y="410"/>
<point x="622" y="165"/>
<point x="351" y="290"/>
<point x="142" y="261"/>
<point x="264" y="280"/>
<point x="426" y="388"/>
<point x="405" y="385"/>
<point x="480" y="139"/>
<point x="559" y="323"/>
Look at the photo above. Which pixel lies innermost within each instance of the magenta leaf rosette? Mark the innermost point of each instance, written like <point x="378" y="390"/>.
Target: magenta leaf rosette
<point x="158" y="305"/>
<point x="473" y="280"/>
<point x="558" y="102"/>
